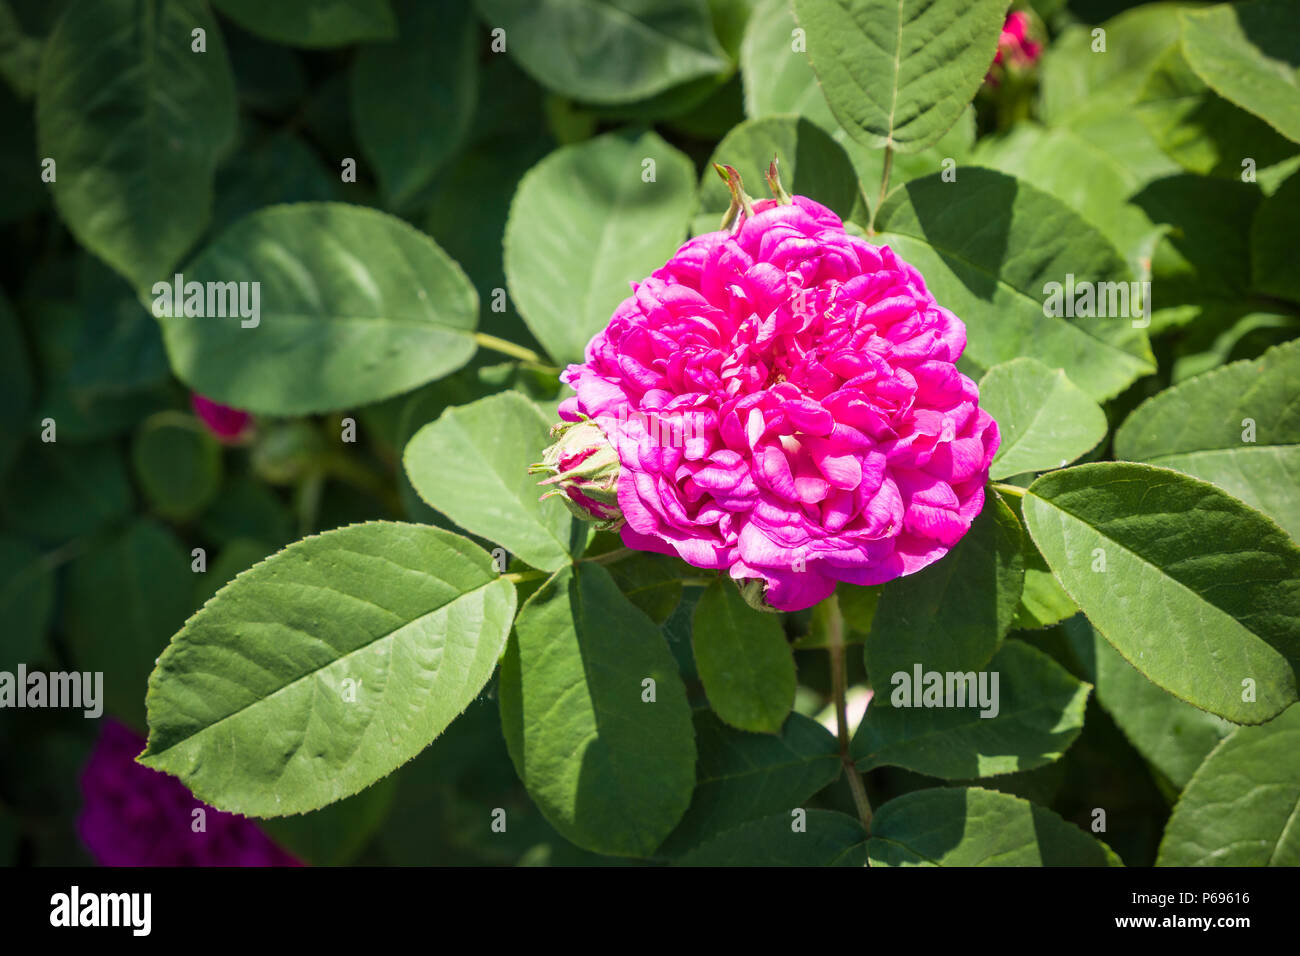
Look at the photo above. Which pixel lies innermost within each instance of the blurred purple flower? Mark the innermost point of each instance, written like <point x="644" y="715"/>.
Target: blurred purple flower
<point x="226" y="423"/>
<point x="134" y="816"/>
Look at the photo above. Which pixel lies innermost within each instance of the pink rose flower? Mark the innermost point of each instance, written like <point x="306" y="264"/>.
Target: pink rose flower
<point x="135" y="816"/>
<point x="785" y="407"/>
<point x="1014" y="45"/>
<point x="225" y="423"/>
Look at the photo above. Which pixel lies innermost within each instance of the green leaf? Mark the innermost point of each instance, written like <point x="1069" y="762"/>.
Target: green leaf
<point x="472" y="465"/>
<point x="988" y="245"/>
<point x="1198" y="592"/>
<point x="1077" y="77"/>
<point x="249" y="705"/>
<point x="234" y="558"/>
<point x="744" y="660"/>
<point x="1029" y="718"/>
<point x="430" y="71"/>
<point x="135" y="122"/>
<point x="246" y="508"/>
<point x="26" y="602"/>
<point x="1272" y="267"/>
<point x="653" y="582"/>
<point x="952" y="615"/>
<point x="780" y="80"/>
<point x="1202" y="131"/>
<point x="1092" y="164"/>
<point x="584" y="224"/>
<point x="334" y="835"/>
<point x="313" y="23"/>
<point x="177" y="463"/>
<point x="63" y="491"/>
<point x="1043" y="602"/>
<point x="611" y="771"/>
<point x="119" y="350"/>
<point x="1249" y="53"/>
<point x="968" y="826"/>
<point x="608" y="51"/>
<point x="1203" y="253"/>
<point x="778" y="77"/>
<point x="898" y="73"/>
<point x="953" y="147"/>
<point x="1240" y="807"/>
<point x="811" y="164"/>
<point x="1173" y="736"/>
<point x="125" y="598"/>
<point x="828" y="838"/>
<point x="355" y="306"/>
<point x="281" y="169"/>
<point x="742" y="776"/>
<point x="1237" y="427"/>
<point x="1045" y="420"/>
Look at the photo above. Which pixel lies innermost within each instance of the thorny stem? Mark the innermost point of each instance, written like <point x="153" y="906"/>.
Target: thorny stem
<point x="835" y="647"/>
<point x="527" y="356"/>
<point x="884" y="188"/>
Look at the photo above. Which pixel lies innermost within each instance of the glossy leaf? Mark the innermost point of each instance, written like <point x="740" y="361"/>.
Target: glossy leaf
<point x="1045" y="420"/>
<point x="355" y="306"/>
<point x="742" y="776"/>
<point x="608" y="51"/>
<point x="1029" y="718"/>
<point x="743" y="659"/>
<point x="898" y="74"/>
<point x="413" y="99"/>
<point x="1205" y="133"/>
<point x="778" y="77"/>
<point x="988" y="245"/>
<point x="611" y="770"/>
<point x="1250" y="54"/>
<point x="585" y="224"/>
<point x="472" y="465"/>
<point x="1240" y="807"/>
<point x="135" y="122"/>
<point x="653" y="582"/>
<point x="1093" y="164"/>
<point x="1197" y="591"/>
<point x="952" y="615"/>
<point x="1172" y="735"/>
<point x="1237" y="427"/>
<point x="326" y="667"/>
<point x="967" y="826"/>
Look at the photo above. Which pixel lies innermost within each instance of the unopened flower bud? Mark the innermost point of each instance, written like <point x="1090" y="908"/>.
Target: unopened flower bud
<point x="583" y="467"/>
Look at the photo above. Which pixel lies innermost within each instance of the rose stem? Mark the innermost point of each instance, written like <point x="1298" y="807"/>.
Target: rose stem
<point x="527" y="356"/>
<point x="835" y="646"/>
